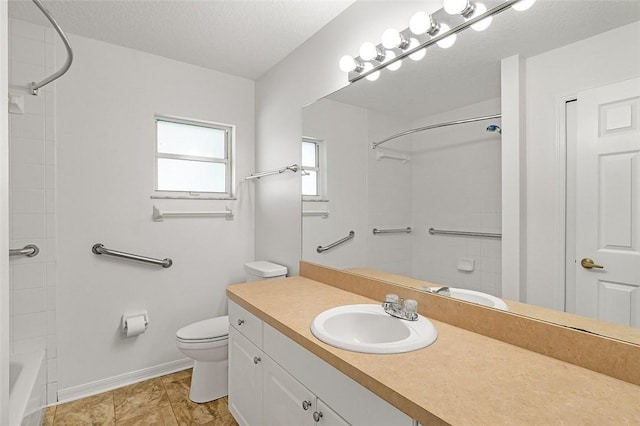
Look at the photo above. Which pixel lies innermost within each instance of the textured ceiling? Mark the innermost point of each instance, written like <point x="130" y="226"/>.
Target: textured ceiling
<point x="239" y="37"/>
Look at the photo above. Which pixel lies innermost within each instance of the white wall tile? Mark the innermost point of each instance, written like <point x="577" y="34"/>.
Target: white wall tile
<point x="28" y="345"/>
<point x="51" y="250"/>
<point x="52" y="274"/>
<point x="50" y="201"/>
<point x="18" y="28"/>
<point x="52" y="346"/>
<point x="51" y="322"/>
<point x="29" y="326"/>
<point x="52" y="393"/>
<point x="27" y="176"/>
<point x="28" y="276"/>
<point x="28" y="201"/>
<point x="49" y="177"/>
<point x="27" y="151"/>
<point x="51" y="225"/>
<point x="51" y="298"/>
<point x="50" y="152"/>
<point x="27" y="50"/>
<point x="29" y="301"/>
<point x="22" y="75"/>
<point x="27" y="126"/>
<point x="28" y="225"/>
<point x="52" y="370"/>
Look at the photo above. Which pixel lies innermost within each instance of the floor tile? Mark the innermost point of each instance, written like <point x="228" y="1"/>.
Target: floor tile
<point x="163" y="417"/>
<point x="190" y="413"/>
<point x="177" y="376"/>
<point x="140" y="398"/>
<point x="94" y="410"/>
<point x="49" y="415"/>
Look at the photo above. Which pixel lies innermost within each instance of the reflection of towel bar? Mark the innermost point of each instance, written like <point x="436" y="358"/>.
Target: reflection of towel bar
<point x="322" y="213"/>
<point x="293" y="167"/>
<point x="406" y="230"/>
<point x="159" y="215"/>
<point x="465" y="233"/>
<point x="101" y="249"/>
<point x="321" y="249"/>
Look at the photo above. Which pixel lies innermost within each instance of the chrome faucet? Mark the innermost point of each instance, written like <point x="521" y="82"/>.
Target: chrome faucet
<point x="400" y="308"/>
<point x="445" y="291"/>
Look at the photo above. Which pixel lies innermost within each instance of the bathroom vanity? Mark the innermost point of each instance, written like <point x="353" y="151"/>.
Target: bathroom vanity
<point x="279" y="372"/>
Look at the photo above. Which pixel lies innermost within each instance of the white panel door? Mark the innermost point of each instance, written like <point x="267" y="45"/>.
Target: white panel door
<point x="608" y="203"/>
<point x="285" y="401"/>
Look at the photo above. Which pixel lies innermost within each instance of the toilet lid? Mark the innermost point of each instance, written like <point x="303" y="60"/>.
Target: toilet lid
<point x="207" y="329"/>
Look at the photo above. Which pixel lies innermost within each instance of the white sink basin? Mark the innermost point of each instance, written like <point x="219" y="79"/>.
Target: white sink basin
<point x="475" y="297"/>
<point x="369" y="329"/>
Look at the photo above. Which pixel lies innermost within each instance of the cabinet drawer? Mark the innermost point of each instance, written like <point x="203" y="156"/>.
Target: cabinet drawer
<point x="246" y="323"/>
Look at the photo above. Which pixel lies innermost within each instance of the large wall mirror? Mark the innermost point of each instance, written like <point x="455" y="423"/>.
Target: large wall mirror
<point x="579" y="70"/>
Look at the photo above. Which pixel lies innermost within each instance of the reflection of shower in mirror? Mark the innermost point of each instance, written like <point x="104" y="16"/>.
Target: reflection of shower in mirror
<point x="494" y="128"/>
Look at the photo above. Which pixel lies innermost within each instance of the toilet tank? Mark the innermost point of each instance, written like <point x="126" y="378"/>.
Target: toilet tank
<point x="263" y="270"/>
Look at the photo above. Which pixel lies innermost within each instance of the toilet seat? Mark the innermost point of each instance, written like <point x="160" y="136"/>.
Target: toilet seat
<point x="206" y="331"/>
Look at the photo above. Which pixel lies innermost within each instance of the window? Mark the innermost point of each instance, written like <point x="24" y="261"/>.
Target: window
<point x="313" y="166"/>
<point x="193" y="159"/>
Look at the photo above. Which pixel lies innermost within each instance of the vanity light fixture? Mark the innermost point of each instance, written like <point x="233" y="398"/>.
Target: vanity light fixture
<point x="458" y="7"/>
<point x="423" y="23"/>
<point x="485" y="23"/>
<point x="523" y="5"/>
<point x="449" y="41"/>
<point x="425" y="29"/>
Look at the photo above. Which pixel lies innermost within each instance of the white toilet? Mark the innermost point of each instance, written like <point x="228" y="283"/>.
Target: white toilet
<point x="207" y="342"/>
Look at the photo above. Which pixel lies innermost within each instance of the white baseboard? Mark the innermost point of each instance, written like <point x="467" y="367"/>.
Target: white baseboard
<point x="104" y="385"/>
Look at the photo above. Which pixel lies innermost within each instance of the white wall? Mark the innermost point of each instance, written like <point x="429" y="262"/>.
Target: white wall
<point x="32" y="183"/>
<point x="607" y="58"/>
<point x="456" y="186"/>
<point x="309" y="73"/>
<point x="106" y="137"/>
<point x="4" y="217"/>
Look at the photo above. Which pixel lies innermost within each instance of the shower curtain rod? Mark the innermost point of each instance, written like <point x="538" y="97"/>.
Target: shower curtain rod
<point x="67" y="64"/>
<point x="374" y="145"/>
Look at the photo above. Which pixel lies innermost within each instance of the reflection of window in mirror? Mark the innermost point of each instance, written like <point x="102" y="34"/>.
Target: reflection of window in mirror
<point x="314" y="166"/>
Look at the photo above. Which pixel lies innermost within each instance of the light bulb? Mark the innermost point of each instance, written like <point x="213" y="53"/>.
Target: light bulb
<point x="347" y="63"/>
<point x="483" y="24"/>
<point x="446" y="42"/>
<point x="523" y="5"/>
<point x="456" y="7"/>
<point x="394" y="66"/>
<point x="391" y="38"/>
<point x="420" y="53"/>
<point x="368" y="51"/>
<point x="419" y="23"/>
<point x="371" y="77"/>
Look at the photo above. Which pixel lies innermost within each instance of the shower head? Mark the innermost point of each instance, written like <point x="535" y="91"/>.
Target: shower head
<point x="494" y="128"/>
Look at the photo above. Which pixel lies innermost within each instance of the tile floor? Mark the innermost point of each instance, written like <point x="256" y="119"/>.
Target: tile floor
<point x="160" y="401"/>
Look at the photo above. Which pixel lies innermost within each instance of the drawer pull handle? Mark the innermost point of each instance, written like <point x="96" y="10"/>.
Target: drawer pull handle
<point x="256" y="359"/>
<point x="317" y="415"/>
<point x="306" y="405"/>
<point x="240" y="321"/>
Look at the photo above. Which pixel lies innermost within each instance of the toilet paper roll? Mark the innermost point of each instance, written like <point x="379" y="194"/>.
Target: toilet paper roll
<point x="136" y="325"/>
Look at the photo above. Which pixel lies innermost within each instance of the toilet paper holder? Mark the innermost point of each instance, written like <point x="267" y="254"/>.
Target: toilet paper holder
<point x="124" y="323"/>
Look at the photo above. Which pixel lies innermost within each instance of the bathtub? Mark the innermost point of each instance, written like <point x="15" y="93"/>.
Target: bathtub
<point x="27" y="389"/>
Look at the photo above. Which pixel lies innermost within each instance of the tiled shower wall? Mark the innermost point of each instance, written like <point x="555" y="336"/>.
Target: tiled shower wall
<point x="32" y="196"/>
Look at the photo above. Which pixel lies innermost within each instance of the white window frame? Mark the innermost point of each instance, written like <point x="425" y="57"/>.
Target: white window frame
<point x="229" y="130"/>
<point x="320" y="169"/>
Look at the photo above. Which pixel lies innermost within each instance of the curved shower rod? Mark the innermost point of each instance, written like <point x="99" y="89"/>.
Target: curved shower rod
<point x="35" y="86"/>
<point x="374" y="145"/>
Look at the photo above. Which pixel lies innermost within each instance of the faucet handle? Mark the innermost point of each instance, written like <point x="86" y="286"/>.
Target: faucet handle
<point x="410" y="306"/>
<point x="392" y="298"/>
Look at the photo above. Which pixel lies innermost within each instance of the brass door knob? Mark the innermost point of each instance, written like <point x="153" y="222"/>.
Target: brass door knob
<point x="588" y="264"/>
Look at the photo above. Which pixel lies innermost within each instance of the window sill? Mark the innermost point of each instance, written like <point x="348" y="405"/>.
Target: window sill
<point x="185" y="197"/>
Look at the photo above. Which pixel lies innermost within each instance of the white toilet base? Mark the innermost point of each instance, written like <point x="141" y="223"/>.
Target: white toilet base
<point x="209" y="381"/>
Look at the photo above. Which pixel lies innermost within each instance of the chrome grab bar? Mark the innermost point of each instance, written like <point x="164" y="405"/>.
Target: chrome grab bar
<point x="465" y="233"/>
<point x="30" y="250"/>
<point x="406" y="230"/>
<point x="67" y="64"/>
<point x="321" y="249"/>
<point x="100" y="249"/>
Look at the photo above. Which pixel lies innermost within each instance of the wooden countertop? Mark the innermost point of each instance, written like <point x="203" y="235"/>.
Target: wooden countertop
<point x="463" y="378"/>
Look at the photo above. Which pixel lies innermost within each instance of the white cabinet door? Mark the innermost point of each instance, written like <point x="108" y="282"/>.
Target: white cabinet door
<point x="285" y="401"/>
<point x="326" y="416"/>
<point x="245" y="380"/>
